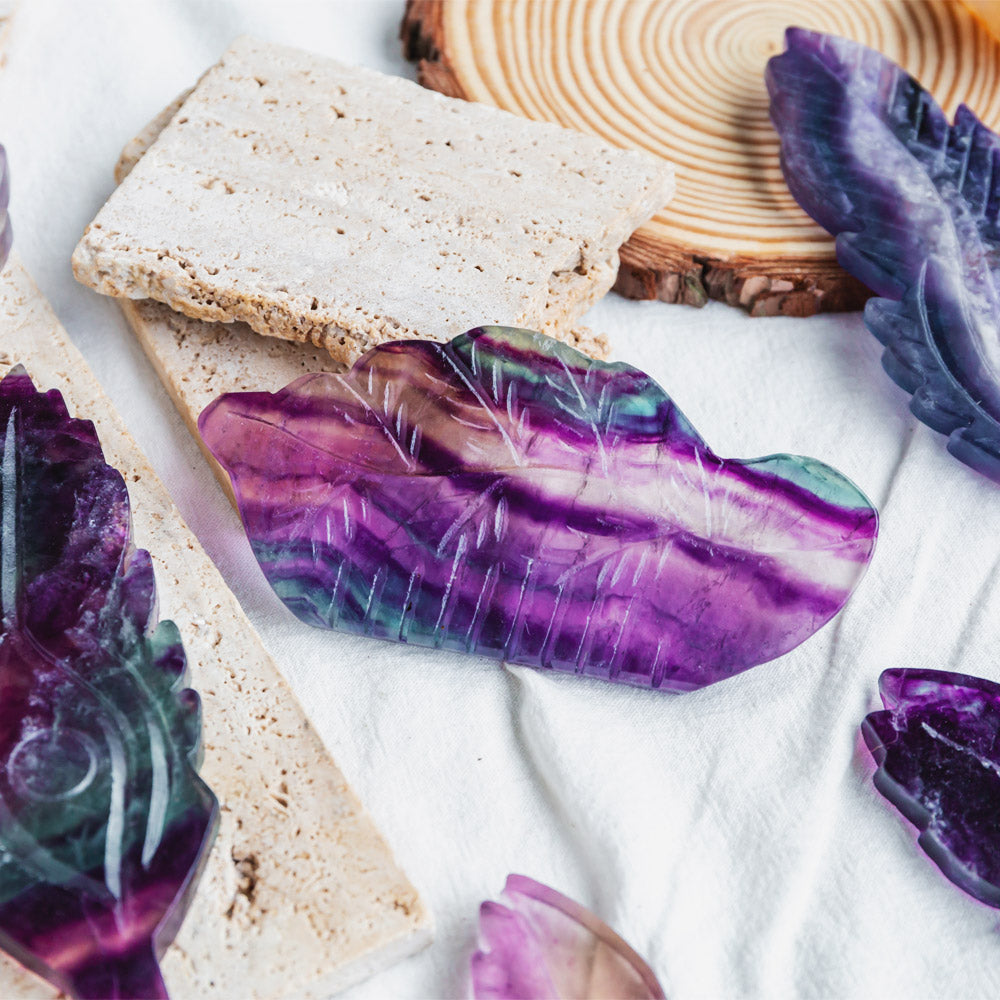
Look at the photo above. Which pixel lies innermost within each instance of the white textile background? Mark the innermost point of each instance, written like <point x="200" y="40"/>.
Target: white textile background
<point x="731" y="835"/>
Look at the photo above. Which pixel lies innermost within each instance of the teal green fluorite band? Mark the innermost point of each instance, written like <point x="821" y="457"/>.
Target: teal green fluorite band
<point x="505" y="495"/>
<point x="104" y="823"/>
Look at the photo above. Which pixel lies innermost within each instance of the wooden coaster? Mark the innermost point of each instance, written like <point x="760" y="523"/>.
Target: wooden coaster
<point x="685" y="79"/>
<point x="988" y="11"/>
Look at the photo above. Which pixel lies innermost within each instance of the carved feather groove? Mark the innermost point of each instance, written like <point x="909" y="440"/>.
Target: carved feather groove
<point x="104" y="823"/>
<point x="914" y="203"/>
<point x="551" y="511"/>
<point x="937" y="748"/>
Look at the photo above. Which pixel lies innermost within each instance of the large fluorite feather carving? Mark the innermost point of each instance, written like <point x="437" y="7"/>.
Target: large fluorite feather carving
<point x="937" y="747"/>
<point x="504" y="494"/>
<point x="541" y="945"/>
<point x="104" y="823"/>
<point x="915" y="204"/>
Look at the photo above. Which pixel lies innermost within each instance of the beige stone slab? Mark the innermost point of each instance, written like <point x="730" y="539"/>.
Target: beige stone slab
<point x="198" y="361"/>
<point x="301" y="895"/>
<point x="139" y="143"/>
<point x="326" y="203"/>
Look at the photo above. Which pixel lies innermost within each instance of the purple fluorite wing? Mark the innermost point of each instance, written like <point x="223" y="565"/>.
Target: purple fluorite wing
<point x="104" y="823"/>
<point x="915" y="205"/>
<point x="937" y="747"/>
<point x="539" y="945"/>
<point x="504" y="494"/>
<point x="6" y="233"/>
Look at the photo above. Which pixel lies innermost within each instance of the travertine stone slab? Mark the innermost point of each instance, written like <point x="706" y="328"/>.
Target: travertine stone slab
<point x="198" y="361"/>
<point x="301" y="896"/>
<point x="325" y="203"/>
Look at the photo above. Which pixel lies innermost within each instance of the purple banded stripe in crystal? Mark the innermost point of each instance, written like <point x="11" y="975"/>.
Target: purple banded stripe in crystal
<point x="505" y="495"/>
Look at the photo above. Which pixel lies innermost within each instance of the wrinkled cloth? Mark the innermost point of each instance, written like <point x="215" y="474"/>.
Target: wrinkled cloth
<point x="732" y="836"/>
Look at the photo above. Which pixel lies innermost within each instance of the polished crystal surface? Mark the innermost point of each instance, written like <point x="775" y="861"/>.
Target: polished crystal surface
<point x="504" y="494"/>
<point x="540" y="945"/>
<point x="937" y="747"/>
<point x="104" y="823"/>
<point x="915" y="204"/>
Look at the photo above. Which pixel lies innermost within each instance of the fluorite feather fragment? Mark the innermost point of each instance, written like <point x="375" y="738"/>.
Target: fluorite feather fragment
<point x="540" y="945"/>
<point x="504" y="494"/>
<point x="937" y="747"/>
<point x="104" y="823"/>
<point x="6" y="233"/>
<point x="915" y="204"/>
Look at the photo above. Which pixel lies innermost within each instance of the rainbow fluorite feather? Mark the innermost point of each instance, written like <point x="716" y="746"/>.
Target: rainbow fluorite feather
<point x="104" y="823"/>
<point x="937" y="747"/>
<point x="541" y="945"/>
<point x="504" y="494"/>
<point x="915" y="205"/>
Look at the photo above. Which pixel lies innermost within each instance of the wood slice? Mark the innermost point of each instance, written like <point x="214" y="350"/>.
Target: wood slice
<point x="988" y="11"/>
<point x="685" y="79"/>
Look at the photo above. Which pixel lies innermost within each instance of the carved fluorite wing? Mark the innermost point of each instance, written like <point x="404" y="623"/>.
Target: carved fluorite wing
<point x="104" y="823"/>
<point x="503" y="494"/>
<point x="937" y="747"/>
<point x="915" y="205"/>
<point x="540" y="945"/>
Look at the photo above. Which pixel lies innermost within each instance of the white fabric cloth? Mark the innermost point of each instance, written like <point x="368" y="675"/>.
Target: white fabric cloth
<point x="731" y="835"/>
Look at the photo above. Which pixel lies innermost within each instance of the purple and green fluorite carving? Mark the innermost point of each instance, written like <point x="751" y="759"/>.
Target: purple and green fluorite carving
<point x="503" y="494"/>
<point x="6" y="233"/>
<point x="937" y="747"/>
<point x="539" y="945"/>
<point x="104" y="824"/>
<point x="915" y="205"/>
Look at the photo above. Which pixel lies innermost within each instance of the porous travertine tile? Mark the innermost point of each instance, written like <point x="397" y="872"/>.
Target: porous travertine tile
<point x="300" y="895"/>
<point x="198" y="361"/>
<point x="326" y="203"/>
<point x="139" y="143"/>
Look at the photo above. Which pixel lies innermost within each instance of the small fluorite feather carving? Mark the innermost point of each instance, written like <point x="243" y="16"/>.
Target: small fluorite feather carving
<point x="540" y="945"/>
<point x="915" y="205"/>
<point x="503" y="494"/>
<point x="104" y="823"/>
<point x="937" y="747"/>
